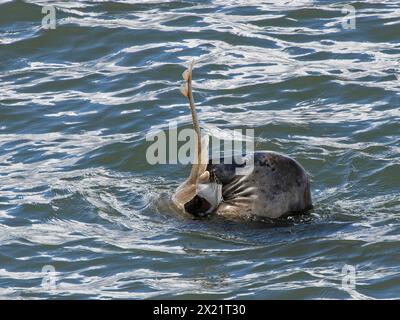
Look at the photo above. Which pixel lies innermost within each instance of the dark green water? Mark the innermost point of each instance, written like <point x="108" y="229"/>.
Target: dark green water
<point x="76" y="102"/>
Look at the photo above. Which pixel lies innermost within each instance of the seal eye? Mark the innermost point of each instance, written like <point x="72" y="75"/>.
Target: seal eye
<point x="198" y="206"/>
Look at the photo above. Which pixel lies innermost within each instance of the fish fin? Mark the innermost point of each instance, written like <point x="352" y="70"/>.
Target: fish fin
<point x="185" y="75"/>
<point x="205" y="177"/>
<point x="185" y="90"/>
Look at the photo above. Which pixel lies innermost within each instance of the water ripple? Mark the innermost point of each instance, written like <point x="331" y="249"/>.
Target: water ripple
<point x="76" y="103"/>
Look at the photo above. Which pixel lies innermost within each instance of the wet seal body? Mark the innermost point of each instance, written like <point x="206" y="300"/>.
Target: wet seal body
<point x="276" y="187"/>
